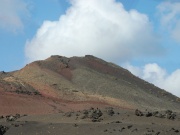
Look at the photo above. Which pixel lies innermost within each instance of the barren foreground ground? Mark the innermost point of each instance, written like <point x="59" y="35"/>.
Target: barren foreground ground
<point x="93" y="121"/>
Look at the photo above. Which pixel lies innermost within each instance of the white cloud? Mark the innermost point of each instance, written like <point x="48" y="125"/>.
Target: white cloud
<point x="11" y="12"/>
<point x="170" y="18"/>
<point x="157" y="75"/>
<point x="135" y="70"/>
<point x="99" y="27"/>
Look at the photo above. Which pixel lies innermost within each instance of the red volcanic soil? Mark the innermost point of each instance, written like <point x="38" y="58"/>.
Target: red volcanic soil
<point x="12" y="103"/>
<point x="23" y="104"/>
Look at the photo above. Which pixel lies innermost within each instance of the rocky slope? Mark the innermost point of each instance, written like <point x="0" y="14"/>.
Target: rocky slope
<point x="62" y="84"/>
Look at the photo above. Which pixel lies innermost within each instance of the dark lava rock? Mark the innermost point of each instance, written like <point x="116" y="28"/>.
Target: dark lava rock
<point x="138" y="113"/>
<point x="23" y="92"/>
<point x="149" y="114"/>
<point x="130" y="126"/>
<point x="175" y="130"/>
<point x="3" y="129"/>
<point x="16" y="125"/>
<point x="77" y="114"/>
<point x="75" y="125"/>
<point x="17" y="116"/>
<point x="86" y="112"/>
<point x="12" y="118"/>
<point x="118" y="122"/>
<point x="134" y="130"/>
<point x="168" y="112"/>
<point x="157" y="133"/>
<point x="85" y="116"/>
<point x="93" y="114"/>
<point x="68" y="114"/>
<point x="122" y="129"/>
<point x="110" y="111"/>
<point x="37" y="93"/>
<point x="170" y="115"/>
<point x="96" y="115"/>
<point x="155" y="113"/>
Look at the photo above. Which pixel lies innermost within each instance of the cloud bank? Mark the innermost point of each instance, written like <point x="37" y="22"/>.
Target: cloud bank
<point x="11" y="12"/>
<point x="157" y="75"/>
<point x="169" y="13"/>
<point x="99" y="27"/>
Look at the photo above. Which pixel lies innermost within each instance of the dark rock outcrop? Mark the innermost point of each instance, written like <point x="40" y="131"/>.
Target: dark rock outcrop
<point x="3" y="129"/>
<point x="138" y="113"/>
<point x="12" y="117"/>
<point x="110" y="111"/>
<point x="96" y="115"/>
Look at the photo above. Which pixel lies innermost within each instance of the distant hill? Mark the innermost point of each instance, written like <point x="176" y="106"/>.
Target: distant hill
<point x="59" y="84"/>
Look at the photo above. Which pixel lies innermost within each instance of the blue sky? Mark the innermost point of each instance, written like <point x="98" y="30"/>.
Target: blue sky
<point x="12" y="56"/>
<point x="140" y="35"/>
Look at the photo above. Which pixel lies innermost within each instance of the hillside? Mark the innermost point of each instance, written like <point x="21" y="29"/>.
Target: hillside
<point x="61" y="84"/>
